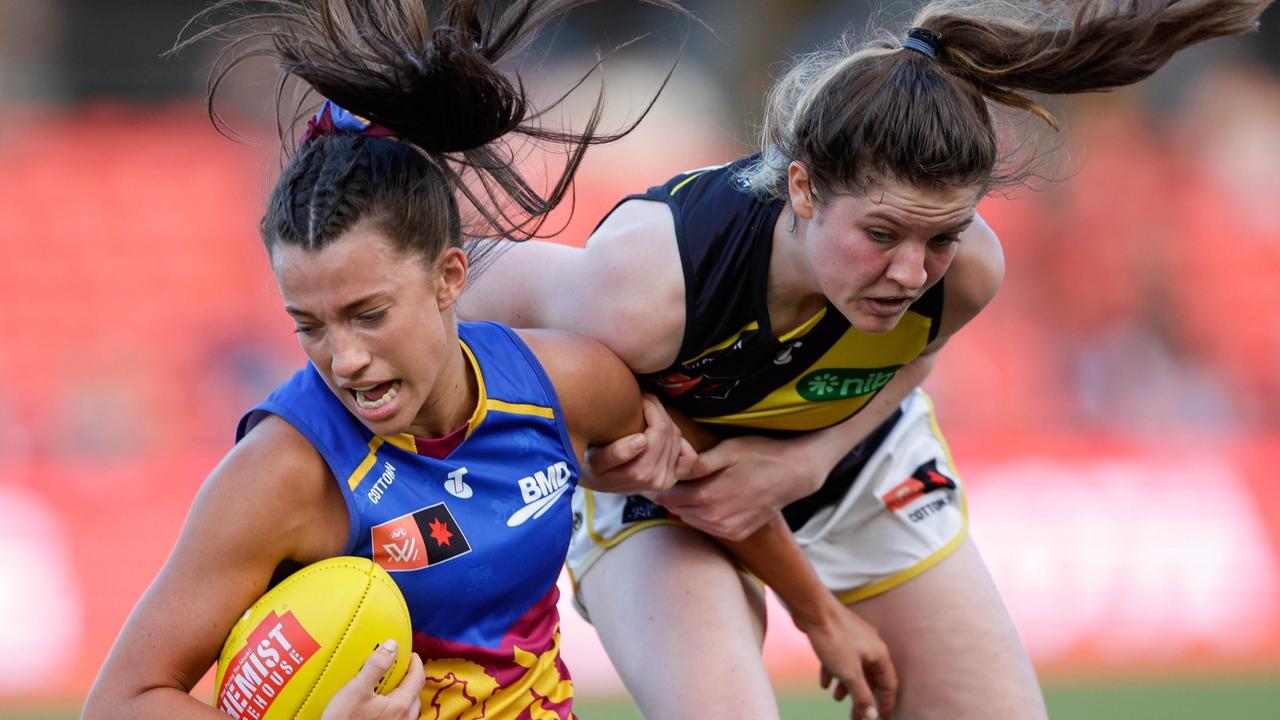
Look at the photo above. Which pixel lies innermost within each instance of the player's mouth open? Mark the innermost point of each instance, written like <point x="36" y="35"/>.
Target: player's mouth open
<point x="372" y="397"/>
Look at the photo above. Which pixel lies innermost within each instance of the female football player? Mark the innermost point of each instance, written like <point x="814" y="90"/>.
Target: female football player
<point x="444" y="451"/>
<point x="792" y="302"/>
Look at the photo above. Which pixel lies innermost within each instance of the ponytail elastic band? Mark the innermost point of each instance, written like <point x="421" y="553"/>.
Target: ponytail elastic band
<point x="923" y="41"/>
<point x="333" y="120"/>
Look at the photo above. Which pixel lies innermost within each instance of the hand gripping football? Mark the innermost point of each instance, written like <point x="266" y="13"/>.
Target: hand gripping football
<point x="309" y="635"/>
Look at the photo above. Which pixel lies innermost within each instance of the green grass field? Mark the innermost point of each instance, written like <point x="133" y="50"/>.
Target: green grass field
<point x="1181" y="699"/>
<point x="1246" y="699"/>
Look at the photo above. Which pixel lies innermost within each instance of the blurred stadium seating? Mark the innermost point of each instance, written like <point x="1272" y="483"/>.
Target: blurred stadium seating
<point x="1116" y="411"/>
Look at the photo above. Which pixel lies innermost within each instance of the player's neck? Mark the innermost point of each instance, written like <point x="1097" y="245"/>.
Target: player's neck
<point x="792" y="293"/>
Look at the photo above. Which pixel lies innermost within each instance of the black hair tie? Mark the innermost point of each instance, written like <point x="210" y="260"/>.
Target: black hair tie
<point x="923" y="41"/>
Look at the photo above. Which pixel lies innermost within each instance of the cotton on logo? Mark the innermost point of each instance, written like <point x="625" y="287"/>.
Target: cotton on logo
<point x="540" y="491"/>
<point x="384" y="483"/>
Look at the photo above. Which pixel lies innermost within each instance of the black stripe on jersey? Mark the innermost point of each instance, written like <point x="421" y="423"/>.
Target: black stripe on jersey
<point x="742" y="374"/>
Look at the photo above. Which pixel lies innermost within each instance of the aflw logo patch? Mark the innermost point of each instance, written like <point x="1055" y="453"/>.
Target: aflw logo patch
<point x="925" y="479"/>
<point x="416" y="540"/>
<point x="540" y="491"/>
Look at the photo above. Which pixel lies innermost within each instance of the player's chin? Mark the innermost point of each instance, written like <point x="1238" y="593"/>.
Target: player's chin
<point x="387" y="421"/>
<point x="875" y="322"/>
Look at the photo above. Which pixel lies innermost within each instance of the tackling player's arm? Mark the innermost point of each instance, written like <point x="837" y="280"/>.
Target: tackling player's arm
<point x="270" y="503"/>
<point x="602" y="402"/>
<point x="850" y="650"/>
<point x="625" y="289"/>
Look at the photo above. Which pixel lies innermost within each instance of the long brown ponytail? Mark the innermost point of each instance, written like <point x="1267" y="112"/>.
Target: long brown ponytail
<point x="429" y="72"/>
<point x="854" y="116"/>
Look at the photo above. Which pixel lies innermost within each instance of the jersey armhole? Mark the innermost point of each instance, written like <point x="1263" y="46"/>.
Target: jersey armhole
<point x="930" y="306"/>
<point x="562" y="425"/>
<point x="256" y="415"/>
<point x="658" y="195"/>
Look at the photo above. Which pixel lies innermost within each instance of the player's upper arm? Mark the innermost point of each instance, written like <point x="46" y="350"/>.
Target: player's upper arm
<point x="271" y="500"/>
<point x="598" y="394"/>
<point x="971" y="281"/>
<point x="625" y="289"/>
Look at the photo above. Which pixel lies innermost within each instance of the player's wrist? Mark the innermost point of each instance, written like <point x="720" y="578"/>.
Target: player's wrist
<point x="821" y="614"/>
<point x="814" y="463"/>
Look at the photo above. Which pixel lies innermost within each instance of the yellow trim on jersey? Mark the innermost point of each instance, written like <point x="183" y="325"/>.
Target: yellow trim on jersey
<point x="522" y="409"/>
<point x="753" y="325"/>
<point x="893" y="581"/>
<point x="785" y="409"/>
<point x="404" y="441"/>
<point x="696" y="174"/>
<point x="353" y="480"/>
<point x="482" y="395"/>
<point x="805" y="326"/>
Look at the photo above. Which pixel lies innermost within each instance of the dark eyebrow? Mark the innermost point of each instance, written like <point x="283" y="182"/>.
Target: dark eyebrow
<point x="960" y="226"/>
<point x="876" y="215"/>
<point x="347" y="309"/>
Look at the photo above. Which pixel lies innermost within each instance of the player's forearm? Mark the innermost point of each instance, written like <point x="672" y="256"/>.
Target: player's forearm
<point x="158" y="702"/>
<point x="501" y="287"/>
<point x="773" y="555"/>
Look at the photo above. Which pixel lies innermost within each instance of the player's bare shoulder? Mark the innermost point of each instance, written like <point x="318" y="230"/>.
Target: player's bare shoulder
<point x="973" y="278"/>
<point x="625" y="288"/>
<point x="598" y="394"/>
<point x="274" y="473"/>
<point x="638" y="280"/>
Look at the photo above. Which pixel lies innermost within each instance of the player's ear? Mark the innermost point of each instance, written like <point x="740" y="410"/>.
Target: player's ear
<point x="800" y="191"/>
<point x="451" y="273"/>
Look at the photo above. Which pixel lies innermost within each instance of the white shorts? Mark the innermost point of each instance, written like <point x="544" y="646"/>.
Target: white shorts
<point x="904" y="513"/>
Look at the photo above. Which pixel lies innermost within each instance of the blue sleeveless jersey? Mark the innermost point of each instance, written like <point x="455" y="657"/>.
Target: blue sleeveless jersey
<point x="476" y="540"/>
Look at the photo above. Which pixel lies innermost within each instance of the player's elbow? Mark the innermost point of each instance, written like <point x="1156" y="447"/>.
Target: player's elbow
<point x="106" y="702"/>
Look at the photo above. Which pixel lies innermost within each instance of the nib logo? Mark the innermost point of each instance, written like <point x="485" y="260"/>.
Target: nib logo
<point x="419" y="539"/>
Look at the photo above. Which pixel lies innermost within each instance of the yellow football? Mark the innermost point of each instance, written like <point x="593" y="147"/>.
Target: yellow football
<point x="309" y="635"/>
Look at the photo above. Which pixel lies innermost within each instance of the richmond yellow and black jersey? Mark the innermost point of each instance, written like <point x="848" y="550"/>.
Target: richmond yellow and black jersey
<point x="731" y="369"/>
